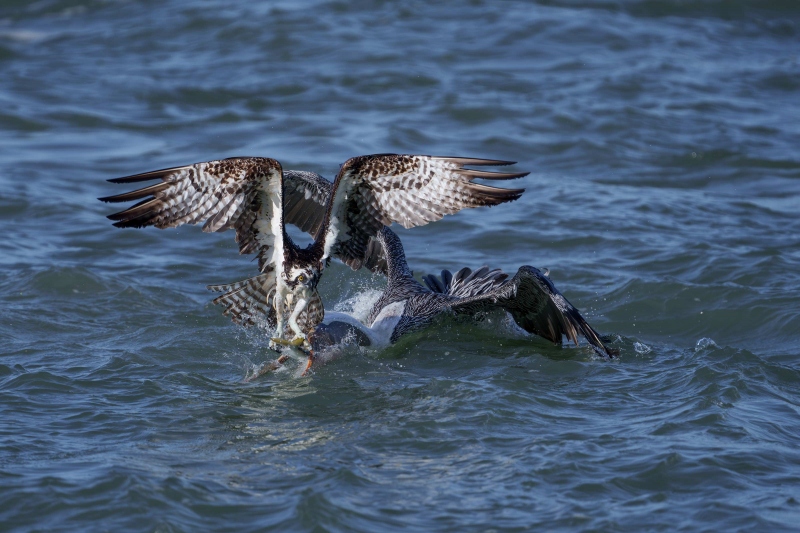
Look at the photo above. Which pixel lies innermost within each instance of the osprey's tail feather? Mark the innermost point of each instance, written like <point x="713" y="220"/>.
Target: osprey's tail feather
<point x="249" y="302"/>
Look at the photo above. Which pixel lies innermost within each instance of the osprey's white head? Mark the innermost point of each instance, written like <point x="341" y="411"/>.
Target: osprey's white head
<point x="302" y="280"/>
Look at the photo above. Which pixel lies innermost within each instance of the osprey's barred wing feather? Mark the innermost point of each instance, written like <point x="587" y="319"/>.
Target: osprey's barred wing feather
<point x="249" y="302"/>
<point x="531" y="298"/>
<point x="229" y="193"/>
<point x="412" y="190"/>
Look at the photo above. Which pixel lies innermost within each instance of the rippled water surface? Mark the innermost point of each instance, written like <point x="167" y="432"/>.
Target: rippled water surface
<point x="663" y="140"/>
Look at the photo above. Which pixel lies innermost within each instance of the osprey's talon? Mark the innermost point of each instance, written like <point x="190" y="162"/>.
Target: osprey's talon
<point x="308" y="364"/>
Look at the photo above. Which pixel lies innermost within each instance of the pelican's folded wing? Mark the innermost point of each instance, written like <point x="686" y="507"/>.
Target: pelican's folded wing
<point x="531" y="298"/>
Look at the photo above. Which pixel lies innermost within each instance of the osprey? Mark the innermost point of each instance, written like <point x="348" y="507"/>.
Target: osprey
<point x="406" y="305"/>
<point x="253" y="196"/>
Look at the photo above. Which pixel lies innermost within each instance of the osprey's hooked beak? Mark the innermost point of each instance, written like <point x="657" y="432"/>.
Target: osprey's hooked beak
<point x="312" y="281"/>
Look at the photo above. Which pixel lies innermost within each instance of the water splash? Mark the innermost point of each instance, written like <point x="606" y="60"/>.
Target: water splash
<point x="359" y="305"/>
<point x="641" y="348"/>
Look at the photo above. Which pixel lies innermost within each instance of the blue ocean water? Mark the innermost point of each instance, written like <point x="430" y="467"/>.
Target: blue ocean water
<point x="662" y="139"/>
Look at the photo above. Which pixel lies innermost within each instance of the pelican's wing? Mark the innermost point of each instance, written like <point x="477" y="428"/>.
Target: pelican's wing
<point x="466" y="283"/>
<point x="249" y="302"/>
<point x="531" y="298"/>
<point x="243" y="193"/>
<point x="412" y="190"/>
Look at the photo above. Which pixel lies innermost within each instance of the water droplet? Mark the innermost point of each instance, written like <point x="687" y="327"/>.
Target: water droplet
<point x="704" y="343"/>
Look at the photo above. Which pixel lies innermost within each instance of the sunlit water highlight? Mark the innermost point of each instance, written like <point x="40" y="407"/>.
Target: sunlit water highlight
<point x="662" y="137"/>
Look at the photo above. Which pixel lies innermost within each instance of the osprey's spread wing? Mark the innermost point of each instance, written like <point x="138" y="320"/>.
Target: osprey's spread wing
<point x="243" y="193"/>
<point x="234" y="193"/>
<point x="376" y="190"/>
<point x="531" y="298"/>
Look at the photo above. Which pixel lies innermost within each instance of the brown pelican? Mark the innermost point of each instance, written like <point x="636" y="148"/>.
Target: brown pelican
<point x="406" y="305"/>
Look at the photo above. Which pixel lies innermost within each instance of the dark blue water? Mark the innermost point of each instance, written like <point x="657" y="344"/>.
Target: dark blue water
<point x="663" y="142"/>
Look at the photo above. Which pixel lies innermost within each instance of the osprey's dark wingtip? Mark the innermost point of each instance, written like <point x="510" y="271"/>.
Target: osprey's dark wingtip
<point x="477" y="161"/>
<point x="487" y="175"/>
<point x="145" y="176"/>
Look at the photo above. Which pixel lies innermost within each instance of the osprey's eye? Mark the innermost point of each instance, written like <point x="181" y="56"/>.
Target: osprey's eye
<point x="301" y="278"/>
